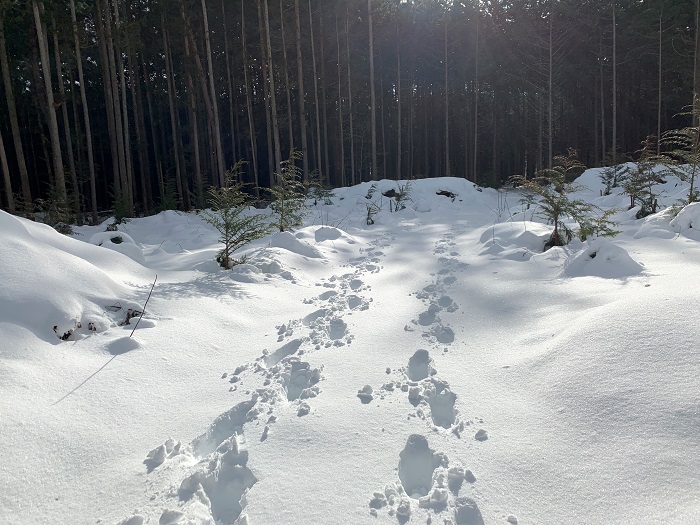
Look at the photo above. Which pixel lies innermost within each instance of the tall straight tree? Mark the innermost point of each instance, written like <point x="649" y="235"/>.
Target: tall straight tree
<point x="229" y="78"/>
<point x="59" y="177"/>
<point x="353" y="180"/>
<point x="301" y="94"/>
<point x="128" y="190"/>
<point x="614" y="85"/>
<point x="12" y="112"/>
<point x="290" y="124"/>
<point x="399" y="126"/>
<point x="476" y="98"/>
<point x="318" y="117"/>
<point x="273" y="95"/>
<point x="249" y="106"/>
<point x="221" y="170"/>
<point x="341" y="134"/>
<point x="4" y="167"/>
<point x="66" y="123"/>
<point x="372" y="91"/>
<point x="447" y="101"/>
<point x="86" y="114"/>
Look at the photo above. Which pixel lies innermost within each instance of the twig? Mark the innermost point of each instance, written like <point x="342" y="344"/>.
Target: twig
<point x="143" y="310"/>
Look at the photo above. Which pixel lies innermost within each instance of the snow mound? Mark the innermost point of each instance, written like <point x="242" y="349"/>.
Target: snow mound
<point x="515" y="240"/>
<point x="246" y="273"/>
<point x="326" y="233"/>
<point x="289" y="242"/>
<point x="656" y="225"/>
<point x="119" y="242"/>
<point x="688" y="221"/>
<point x="602" y="258"/>
<point x="53" y="292"/>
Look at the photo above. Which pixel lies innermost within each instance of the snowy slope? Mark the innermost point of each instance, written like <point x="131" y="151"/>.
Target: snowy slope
<point x="434" y="367"/>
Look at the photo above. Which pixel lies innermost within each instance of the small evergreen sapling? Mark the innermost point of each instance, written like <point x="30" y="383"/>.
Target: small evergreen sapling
<point x="640" y="181"/>
<point x="288" y="195"/>
<point x="229" y="205"/>
<point x="683" y="157"/>
<point x="552" y="186"/>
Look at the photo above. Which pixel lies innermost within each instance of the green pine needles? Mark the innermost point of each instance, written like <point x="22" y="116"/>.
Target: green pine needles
<point x="229" y="206"/>
<point x="288" y="195"/>
<point x="554" y="205"/>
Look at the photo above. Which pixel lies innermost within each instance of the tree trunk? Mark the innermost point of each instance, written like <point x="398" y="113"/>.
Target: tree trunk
<point x="398" y="104"/>
<point x="602" y="102"/>
<point x="476" y="101"/>
<point x="121" y="185"/>
<point x="550" y="86"/>
<point x="86" y="115"/>
<point x="109" y="97"/>
<point x="66" y="124"/>
<point x="353" y="180"/>
<point x="373" y="103"/>
<point x="140" y="125"/>
<point x="173" y="122"/>
<point x="59" y="177"/>
<point x="154" y="135"/>
<point x="696" y="68"/>
<point x="194" y="130"/>
<point x="318" y="117"/>
<point x="341" y="134"/>
<point x="301" y="95"/>
<point x="125" y="112"/>
<point x="249" y="105"/>
<point x="12" y="111"/>
<point x="217" y="126"/>
<point x="447" y="107"/>
<point x="273" y="95"/>
<point x="658" y="104"/>
<point x="6" y="178"/>
<point x="614" y="88"/>
<point x="229" y="77"/>
<point x="290" y="122"/>
<point x="266" y="94"/>
<point x="324" y="99"/>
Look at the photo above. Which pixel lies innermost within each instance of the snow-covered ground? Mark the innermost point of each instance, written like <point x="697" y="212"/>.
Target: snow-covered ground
<point x="435" y="367"/>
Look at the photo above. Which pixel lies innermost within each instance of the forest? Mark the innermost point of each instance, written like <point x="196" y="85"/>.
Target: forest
<point x="144" y="105"/>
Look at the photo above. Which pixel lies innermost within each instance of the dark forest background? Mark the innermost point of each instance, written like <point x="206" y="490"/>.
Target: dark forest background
<point x="147" y="103"/>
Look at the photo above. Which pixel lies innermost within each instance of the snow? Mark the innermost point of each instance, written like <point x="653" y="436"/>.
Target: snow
<point x="435" y="367"/>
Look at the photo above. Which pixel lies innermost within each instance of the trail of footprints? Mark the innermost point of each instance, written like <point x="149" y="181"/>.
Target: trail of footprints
<point x="426" y="476"/>
<point x="284" y="382"/>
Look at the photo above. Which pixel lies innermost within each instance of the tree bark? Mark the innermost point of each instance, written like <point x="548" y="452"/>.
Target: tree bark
<point x="398" y="104"/>
<point x="614" y="88"/>
<point x="229" y="77"/>
<point x="373" y="99"/>
<point x="217" y="126"/>
<point x="12" y="112"/>
<point x="341" y="134"/>
<point x="173" y="122"/>
<point x="249" y="106"/>
<point x="125" y="110"/>
<point x="86" y="115"/>
<point x="353" y="179"/>
<point x="447" y="107"/>
<point x="290" y="122"/>
<point x="66" y="123"/>
<point x="476" y="101"/>
<point x="301" y="95"/>
<point x="6" y="178"/>
<point x="194" y="130"/>
<point x="59" y="176"/>
<point x="318" y="117"/>
<point x="273" y="95"/>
